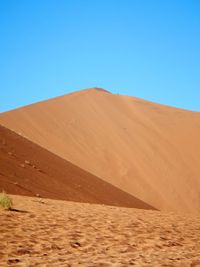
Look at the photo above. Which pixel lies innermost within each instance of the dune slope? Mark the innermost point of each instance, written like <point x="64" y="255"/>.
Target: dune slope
<point x="27" y="169"/>
<point x="148" y="150"/>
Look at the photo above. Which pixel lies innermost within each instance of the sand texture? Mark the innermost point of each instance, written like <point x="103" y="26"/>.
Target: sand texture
<point x="58" y="233"/>
<point x="148" y="150"/>
<point x="27" y="169"/>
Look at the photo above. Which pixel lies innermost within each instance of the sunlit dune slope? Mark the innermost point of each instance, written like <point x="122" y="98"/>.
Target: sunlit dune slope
<point x="27" y="169"/>
<point x="149" y="150"/>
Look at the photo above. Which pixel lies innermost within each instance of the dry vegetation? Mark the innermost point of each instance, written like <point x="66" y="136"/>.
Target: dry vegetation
<point x="5" y="201"/>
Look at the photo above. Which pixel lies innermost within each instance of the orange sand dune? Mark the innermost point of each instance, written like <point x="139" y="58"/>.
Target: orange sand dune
<point x="27" y="169"/>
<point x="66" y="234"/>
<point x="149" y="150"/>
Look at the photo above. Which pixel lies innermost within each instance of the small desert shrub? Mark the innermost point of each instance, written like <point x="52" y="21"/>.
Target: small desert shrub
<point x="5" y="201"/>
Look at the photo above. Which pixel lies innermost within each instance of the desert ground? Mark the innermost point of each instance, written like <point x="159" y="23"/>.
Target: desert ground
<point x="48" y="233"/>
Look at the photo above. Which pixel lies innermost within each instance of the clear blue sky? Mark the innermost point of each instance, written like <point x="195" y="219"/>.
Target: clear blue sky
<point x="144" y="48"/>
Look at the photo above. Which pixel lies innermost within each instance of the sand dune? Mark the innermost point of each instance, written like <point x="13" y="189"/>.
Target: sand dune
<point x="67" y="234"/>
<point x="149" y="150"/>
<point x="27" y="169"/>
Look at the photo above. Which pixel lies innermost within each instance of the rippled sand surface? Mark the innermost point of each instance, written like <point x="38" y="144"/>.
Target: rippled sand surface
<point x="45" y="232"/>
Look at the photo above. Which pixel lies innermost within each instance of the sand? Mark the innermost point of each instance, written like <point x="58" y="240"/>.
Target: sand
<point x="58" y="233"/>
<point x="148" y="150"/>
<point x="87" y="147"/>
<point x="27" y="169"/>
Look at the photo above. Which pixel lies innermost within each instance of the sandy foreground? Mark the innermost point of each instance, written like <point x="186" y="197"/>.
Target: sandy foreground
<point x="59" y="233"/>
